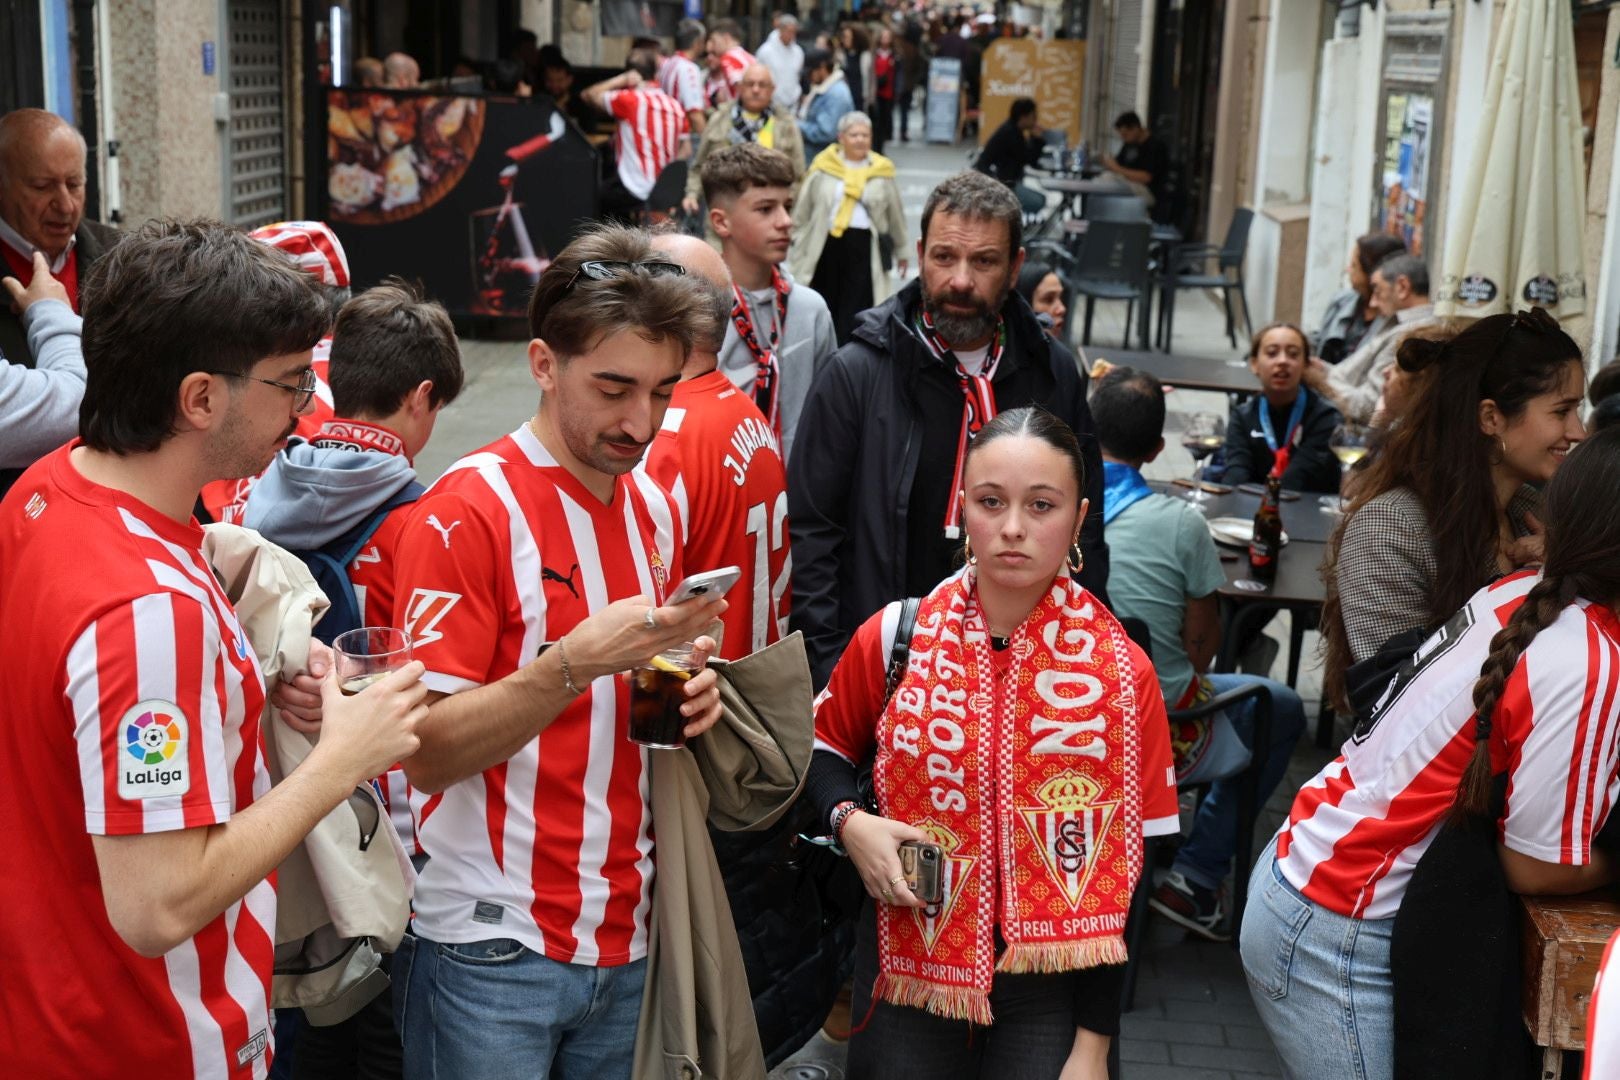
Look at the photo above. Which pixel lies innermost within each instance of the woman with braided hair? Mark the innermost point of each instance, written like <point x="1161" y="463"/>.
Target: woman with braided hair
<point x="1025" y="738"/>
<point x="1508" y="715"/>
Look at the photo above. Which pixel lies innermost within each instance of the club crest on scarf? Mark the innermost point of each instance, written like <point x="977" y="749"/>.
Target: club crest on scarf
<point x="1027" y="778"/>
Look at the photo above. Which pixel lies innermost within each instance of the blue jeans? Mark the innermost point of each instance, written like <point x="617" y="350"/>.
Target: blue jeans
<point x="1207" y="854"/>
<point x="498" y="1011"/>
<point x="1320" y="981"/>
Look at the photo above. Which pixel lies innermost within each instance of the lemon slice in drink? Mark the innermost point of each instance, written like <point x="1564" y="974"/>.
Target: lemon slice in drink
<point x="674" y="669"/>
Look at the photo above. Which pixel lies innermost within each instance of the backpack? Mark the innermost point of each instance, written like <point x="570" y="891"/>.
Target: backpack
<point x="329" y="565"/>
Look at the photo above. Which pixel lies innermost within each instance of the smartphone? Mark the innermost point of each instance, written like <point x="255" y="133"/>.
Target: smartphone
<point x="710" y="583"/>
<point x="921" y="864"/>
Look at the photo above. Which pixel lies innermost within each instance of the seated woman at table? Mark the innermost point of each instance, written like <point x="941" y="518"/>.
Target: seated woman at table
<point x="1515" y="690"/>
<point x="1284" y="413"/>
<point x="1039" y="284"/>
<point x="1004" y="741"/>
<point x="848" y="205"/>
<point x="1450" y="501"/>
<point x="1350" y="316"/>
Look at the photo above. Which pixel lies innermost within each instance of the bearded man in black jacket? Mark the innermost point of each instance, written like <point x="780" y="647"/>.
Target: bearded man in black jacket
<point x="873" y="480"/>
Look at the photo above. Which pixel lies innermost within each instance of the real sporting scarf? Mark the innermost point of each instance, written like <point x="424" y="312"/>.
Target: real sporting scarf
<point x="978" y="404"/>
<point x="831" y="161"/>
<point x="1123" y="487"/>
<point x="1028" y="781"/>
<point x="767" y="371"/>
<point x="751" y="127"/>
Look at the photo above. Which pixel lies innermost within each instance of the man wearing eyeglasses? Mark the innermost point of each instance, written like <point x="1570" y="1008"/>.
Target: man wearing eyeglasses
<point x="530" y="577"/>
<point x="129" y="741"/>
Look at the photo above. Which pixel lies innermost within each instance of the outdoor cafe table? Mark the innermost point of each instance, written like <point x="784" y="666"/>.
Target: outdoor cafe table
<point x="1223" y="376"/>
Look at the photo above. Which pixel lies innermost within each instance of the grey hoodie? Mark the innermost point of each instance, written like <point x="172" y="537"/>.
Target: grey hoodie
<point x="806" y="342"/>
<point x="311" y="495"/>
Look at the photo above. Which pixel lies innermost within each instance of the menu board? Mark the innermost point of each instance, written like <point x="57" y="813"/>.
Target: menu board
<point x="1051" y="72"/>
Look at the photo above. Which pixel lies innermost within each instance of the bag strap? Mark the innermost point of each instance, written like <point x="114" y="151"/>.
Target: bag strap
<point x="345" y="548"/>
<point x="900" y="651"/>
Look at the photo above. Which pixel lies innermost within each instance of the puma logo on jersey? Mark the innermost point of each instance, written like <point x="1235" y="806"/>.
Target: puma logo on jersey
<point x="442" y="530"/>
<point x="424" y="611"/>
<point x="548" y="574"/>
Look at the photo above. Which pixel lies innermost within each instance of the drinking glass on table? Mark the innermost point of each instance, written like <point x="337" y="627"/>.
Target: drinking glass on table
<point x="367" y="654"/>
<point x="1350" y="443"/>
<point x="1205" y="433"/>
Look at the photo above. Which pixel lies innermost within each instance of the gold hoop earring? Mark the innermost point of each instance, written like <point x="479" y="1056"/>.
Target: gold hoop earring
<point x="967" y="550"/>
<point x="1077" y="558"/>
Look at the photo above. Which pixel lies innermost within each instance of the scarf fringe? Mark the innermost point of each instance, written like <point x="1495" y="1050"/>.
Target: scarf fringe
<point x="951" y="1002"/>
<point x="1055" y="956"/>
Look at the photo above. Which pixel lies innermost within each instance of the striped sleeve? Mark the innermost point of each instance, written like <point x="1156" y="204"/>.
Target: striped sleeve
<point x="1558" y="718"/>
<point x="1161" y="809"/>
<point x="148" y="689"/>
<point x="847" y="711"/>
<point x="621" y="104"/>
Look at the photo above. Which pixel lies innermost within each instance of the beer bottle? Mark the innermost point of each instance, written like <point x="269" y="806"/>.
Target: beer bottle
<point x="1266" y="544"/>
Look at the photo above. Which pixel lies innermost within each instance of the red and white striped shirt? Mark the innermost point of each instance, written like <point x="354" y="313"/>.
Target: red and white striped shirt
<point x="135" y="702"/>
<point x="682" y="80"/>
<point x="722" y="85"/>
<point x="1357" y="830"/>
<point x="720" y="459"/>
<point x="551" y="847"/>
<point x="226" y="499"/>
<point x="651" y="124"/>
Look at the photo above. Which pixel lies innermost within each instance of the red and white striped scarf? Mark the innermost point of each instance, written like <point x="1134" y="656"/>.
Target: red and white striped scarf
<point x="978" y="404"/>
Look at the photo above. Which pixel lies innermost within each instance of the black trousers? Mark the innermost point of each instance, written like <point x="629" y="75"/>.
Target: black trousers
<point x="882" y="123"/>
<point x="1030" y="1040"/>
<point x="843" y="277"/>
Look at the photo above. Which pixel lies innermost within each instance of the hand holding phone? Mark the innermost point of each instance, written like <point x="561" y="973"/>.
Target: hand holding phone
<point x="922" y="863"/>
<point x="709" y="584"/>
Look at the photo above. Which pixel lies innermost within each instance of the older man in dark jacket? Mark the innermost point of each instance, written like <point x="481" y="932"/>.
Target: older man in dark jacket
<point x="872" y="479"/>
<point x="42" y="178"/>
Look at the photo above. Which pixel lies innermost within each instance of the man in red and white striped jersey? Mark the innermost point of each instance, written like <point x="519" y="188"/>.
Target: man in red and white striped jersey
<point x="681" y="77"/>
<point x="717" y="455"/>
<point x="139" y="929"/>
<point x="727" y="60"/>
<point x="530" y="576"/>
<point x="651" y="124"/>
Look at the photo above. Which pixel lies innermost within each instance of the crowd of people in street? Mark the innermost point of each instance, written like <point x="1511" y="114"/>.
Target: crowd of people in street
<point x="258" y="844"/>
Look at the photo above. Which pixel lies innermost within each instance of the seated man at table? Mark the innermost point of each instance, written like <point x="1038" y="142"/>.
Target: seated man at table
<point x="1143" y="162"/>
<point x="1164" y="570"/>
<point x="1400" y="293"/>
<point x="1013" y="147"/>
<point x="1284" y="414"/>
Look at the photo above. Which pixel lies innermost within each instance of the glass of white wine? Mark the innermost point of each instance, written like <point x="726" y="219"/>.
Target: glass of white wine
<point x="367" y="654"/>
<point x="1350" y="443"/>
<point x="1205" y="433"/>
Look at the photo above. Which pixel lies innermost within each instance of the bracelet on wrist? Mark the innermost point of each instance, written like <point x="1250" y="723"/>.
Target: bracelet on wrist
<point x="567" y="672"/>
<point x="840" y="817"/>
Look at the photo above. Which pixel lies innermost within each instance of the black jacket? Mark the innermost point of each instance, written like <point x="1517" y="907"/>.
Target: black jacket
<point x="1008" y="153"/>
<point x="1312" y="466"/>
<point x="856" y="457"/>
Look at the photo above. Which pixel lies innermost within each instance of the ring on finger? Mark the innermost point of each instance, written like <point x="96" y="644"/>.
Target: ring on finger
<point x="897" y="879"/>
<point x="652" y="623"/>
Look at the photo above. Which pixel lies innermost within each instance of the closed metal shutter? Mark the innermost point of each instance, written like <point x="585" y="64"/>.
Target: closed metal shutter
<point x="1124" y="58"/>
<point x="256" y="160"/>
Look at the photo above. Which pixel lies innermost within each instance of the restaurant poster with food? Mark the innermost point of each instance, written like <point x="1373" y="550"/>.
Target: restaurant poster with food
<point x="469" y="195"/>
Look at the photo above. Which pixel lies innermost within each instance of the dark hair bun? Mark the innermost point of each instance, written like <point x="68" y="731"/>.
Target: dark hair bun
<point x="1417" y="353"/>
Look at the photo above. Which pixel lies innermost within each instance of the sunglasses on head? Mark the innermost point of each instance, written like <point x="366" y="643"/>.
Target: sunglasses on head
<point x="596" y="270"/>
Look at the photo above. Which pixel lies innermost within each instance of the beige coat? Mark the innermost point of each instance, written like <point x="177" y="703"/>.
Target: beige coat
<point x="697" y="1018"/>
<point x="812" y="218"/>
<point x="330" y="893"/>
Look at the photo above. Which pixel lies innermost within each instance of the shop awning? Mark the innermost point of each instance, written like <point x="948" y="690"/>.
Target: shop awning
<point x="1515" y="228"/>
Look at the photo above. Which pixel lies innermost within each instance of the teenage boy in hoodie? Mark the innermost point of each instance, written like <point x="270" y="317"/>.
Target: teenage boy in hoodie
<point x="394" y="365"/>
<point x="780" y="333"/>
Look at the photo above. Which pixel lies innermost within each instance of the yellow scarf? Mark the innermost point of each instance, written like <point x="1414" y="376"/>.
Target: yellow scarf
<point x="767" y="131"/>
<point x="831" y="161"/>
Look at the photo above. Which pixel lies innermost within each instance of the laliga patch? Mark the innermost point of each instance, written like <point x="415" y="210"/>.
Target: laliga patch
<point x="153" y="762"/>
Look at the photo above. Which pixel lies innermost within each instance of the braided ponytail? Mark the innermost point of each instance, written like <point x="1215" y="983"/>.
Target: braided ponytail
<point x="1540" y="609"/>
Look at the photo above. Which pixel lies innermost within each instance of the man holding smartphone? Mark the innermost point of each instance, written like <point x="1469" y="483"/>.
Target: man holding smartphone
<point x="530" y="576"/>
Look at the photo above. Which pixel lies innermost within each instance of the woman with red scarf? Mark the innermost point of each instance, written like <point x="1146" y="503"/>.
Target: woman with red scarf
<point x="1025" y="737"/>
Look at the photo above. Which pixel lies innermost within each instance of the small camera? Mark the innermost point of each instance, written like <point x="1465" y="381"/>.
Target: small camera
<point x="920" y="864"/>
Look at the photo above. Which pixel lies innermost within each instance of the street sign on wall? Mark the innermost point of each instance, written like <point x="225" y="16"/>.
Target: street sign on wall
<point x="1051" y="72"/>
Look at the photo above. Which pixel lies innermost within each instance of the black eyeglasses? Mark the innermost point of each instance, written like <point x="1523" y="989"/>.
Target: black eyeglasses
<point x="302" y="393"/>
<point x="607" y="271"/>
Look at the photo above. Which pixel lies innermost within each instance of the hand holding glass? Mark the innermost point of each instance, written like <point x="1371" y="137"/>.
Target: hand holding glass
<point x="367" y="654"/>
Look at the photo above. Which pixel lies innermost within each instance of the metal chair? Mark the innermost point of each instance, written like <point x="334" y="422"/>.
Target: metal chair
<point x="1121" y="207"/>
<point x="1248" y="812"/>
<point x="1228" y="276"/>
<point x="1111" y="263"/>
